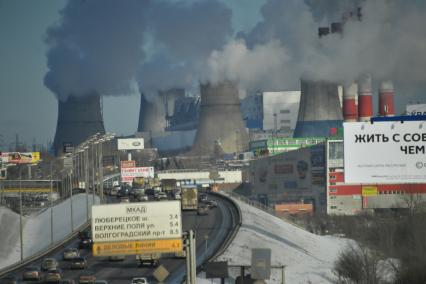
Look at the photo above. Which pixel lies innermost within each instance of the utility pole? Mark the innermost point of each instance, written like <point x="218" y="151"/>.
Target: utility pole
<point x="51" y="206"/>
<point x="21" y="229"/>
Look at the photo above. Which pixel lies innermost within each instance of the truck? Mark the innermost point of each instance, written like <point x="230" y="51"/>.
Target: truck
<point x="189" y="197"/>
<point x="151" y="259"/>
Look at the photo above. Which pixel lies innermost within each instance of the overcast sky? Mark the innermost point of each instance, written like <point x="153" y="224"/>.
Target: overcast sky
<point x="29" y="109"/>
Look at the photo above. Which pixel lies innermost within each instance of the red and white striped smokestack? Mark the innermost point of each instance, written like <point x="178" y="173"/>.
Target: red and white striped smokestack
<point x="350" y="102"/>
<point x="386" y="96"/>
<point x="365" y="99"/>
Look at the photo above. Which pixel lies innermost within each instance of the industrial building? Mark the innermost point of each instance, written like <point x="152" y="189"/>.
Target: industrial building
<point x="272" y="111"/>
<point x="350" y="199"/>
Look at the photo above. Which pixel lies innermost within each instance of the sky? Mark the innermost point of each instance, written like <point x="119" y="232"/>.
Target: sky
<point x="29" y="108"/>
<point x="265" y="44"/>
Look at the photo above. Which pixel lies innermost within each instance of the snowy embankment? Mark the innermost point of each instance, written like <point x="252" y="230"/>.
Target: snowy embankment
<point x="308" y="258"/>
<point x="37" y="233"/>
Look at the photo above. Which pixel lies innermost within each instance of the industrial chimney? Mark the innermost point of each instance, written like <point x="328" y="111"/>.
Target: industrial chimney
<point x="386" y="96"/>
<point x="78" y="119"/>
<point x="350" y="102"/>
<point x="221" y="125"/>
<point x="365" y="99"/>
<point x="319" y="109"/>
<point x="151" y="115"/>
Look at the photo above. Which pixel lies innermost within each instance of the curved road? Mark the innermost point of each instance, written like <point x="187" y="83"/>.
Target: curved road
<point x="211" y="231"/>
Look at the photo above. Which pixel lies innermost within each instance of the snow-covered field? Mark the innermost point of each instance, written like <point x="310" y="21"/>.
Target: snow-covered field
<point x="37" y="234"/>
<point x="308" y="258"/>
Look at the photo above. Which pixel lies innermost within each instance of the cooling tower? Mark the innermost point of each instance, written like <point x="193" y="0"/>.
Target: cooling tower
<point x="386" y="96"/>
<point x="151" y="115"/>
<point x="78" y="119"/>
<point x="319" y="109"/>
<point x="365" y="99"/>
<point x="350" y="102"/>
<point x="221" y="127"/>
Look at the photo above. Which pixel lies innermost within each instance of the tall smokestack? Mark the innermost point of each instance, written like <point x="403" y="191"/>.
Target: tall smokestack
<point x="350" y="102"/>
<point x="221" y="124"/>
<point x="319" y="109"/>
<point x="386" y="96"/>
<point x="78" y="119"/>
<point x="365" y="99"/>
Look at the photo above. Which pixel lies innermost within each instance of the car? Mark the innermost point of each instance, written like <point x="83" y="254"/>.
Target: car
<point x="203" y="197"/>
<point x="67" y="281"/>
<point x="71" y="253"/>
<point x="53" y="276"/>
<point x="141" y="197"/>
<point x="161" y="196"/>
<point x="32" y="273"/>
<point x="49" y="264"/>
<point x="114" y="190"/>
<point x="124" y="191"/>
<point x="79" y="263"/>
<point x="211" y="203"/>
<point x="177" y="196"/>
<point x="202" y="210"/>
<point x="117" y="257"/>
<point x="140" y="280"/>
<point x="88" y="278"/>
<point x="85" y="243"/>
<point x="124" y="200"/>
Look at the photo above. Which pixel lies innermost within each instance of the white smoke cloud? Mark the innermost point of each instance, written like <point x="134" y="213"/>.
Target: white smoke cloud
<point x="389" y="43"/>
<point x="96" y="47"/>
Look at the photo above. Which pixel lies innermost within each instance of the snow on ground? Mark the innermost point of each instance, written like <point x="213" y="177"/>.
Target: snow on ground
<point x="37" y="228"/>
<point x="308" y="258"/>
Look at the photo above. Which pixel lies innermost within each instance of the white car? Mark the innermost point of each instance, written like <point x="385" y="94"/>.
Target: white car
<point x="140" y="280"/>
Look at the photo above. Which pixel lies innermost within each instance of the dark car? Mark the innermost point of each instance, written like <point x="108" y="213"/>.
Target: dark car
<point x="202" y="210"/>
<point x="211" y="203"/>
<point x="203" y="197"/>
<point x="32" y="273"/>
<point x="124" y="192"/>
<point x="79" y="263"/>
<point x="85" y="243"/>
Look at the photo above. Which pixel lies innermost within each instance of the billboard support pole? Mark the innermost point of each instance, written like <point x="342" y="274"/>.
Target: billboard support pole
<point x="51" y="206"/>
<point x="72" y="213"/>
<point x="21" y="233"/>
<point x="192" y="247"/>
<point x="188" y="260"/>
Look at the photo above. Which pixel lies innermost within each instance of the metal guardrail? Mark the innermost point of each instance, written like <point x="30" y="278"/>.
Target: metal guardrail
<point x="264" y="208"/>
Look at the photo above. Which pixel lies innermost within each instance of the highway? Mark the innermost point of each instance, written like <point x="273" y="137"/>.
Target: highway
<point x="211" y="231"/>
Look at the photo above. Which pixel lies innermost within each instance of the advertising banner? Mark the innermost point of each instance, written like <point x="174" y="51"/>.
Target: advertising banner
<point x="128" y="174"/>
<point x="124" y="222"/>
<point x="20" y="158"/>
<point x="369" y="191"/>
<point x="385" y="152"/>
<point x="128" y="164"/>
<point x="130" y="144"/>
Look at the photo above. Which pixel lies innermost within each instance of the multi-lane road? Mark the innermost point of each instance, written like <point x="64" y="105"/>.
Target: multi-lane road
<point x="211" y="231"/>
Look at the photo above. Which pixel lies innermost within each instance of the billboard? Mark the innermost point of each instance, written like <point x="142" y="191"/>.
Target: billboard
<point x="128" y="174"/>
<point x="385" y="152"/>
<point x="129" y="222"/>
<point x="130" y="144"/>
<point x="20" y="158"/>
<point x="128" y="164"/>
<point x="137" y="247"/>
<point x="417" y="109"/>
